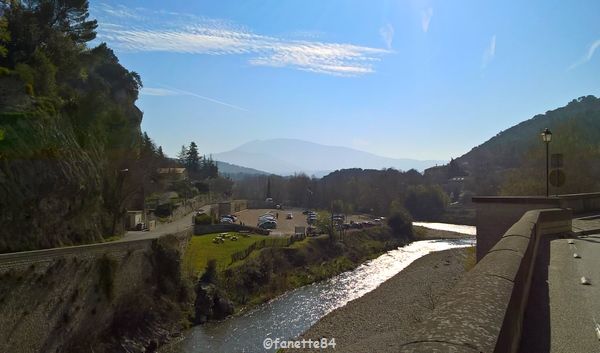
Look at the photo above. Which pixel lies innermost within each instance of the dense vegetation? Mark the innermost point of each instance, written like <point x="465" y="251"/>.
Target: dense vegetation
<point x="513" y="162"/>
<point x="72" y="156"/>
<point x="378" y="192"/>
<point x="271" y="270"/>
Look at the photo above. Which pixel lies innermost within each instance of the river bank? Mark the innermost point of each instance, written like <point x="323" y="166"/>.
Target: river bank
<point x="378" y="320"/>
<point x="294" y="312"/>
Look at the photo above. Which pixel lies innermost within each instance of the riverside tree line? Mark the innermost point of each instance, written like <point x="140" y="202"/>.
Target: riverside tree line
<point x="377" y="192"/>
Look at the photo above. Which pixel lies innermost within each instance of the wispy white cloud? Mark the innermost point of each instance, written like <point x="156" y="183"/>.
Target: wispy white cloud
<point x="119" y="11"/>
<point x="588" y="56"/>
<point x="489" y="53"/>
<point x="180" y="33"/>
<point x="153" y="91"/>
<point x="426" y="16"/>
<point x="171" y="91"/>
<point x="387" y="34"/>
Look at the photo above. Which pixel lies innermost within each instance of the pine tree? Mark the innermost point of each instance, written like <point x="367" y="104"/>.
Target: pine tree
<point x="182" y="156"/>
<point x="192" y="161"/>
<point x="160" y="153"/>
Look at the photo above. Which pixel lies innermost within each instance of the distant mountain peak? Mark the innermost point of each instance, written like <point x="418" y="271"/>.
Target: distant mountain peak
<point x="286" y="156"/>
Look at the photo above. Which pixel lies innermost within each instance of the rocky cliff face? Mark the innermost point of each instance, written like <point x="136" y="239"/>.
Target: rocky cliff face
<point x="53" y="187"/>
<point x="50" y="188"/>
<point x="125" y="297"/>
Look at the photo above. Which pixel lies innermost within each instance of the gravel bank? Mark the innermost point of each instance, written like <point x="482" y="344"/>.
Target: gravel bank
<point x="377" y="321"/>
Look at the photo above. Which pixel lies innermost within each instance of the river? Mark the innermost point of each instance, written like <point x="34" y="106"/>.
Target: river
<point x="292" y="313"/>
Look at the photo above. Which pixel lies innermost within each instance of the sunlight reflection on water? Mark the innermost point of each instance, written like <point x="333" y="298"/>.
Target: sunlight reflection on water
<point x="459" y="228"/>
<point x="292" y="313"/>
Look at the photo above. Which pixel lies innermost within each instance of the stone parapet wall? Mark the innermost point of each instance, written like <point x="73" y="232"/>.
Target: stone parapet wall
<point x="484" y="312"/>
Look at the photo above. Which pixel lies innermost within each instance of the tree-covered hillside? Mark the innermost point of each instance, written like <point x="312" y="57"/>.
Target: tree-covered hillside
<point x="71" y="151"/>
<point x="513" y="162"/>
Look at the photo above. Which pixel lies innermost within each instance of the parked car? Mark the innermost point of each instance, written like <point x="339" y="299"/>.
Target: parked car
<point x="268" y="225"/>
<point x="267" y="217"/>
<point x="355" y="225"/>
<point x="290" y="216"/>
<point x="226" y="220"/>
<point x="232" y="217"/>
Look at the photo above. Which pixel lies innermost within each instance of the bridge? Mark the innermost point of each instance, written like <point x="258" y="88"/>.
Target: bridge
<point x="535" y="286"/>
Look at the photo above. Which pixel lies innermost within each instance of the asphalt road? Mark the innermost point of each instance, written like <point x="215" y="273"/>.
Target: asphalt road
<point x="131" y="239"/>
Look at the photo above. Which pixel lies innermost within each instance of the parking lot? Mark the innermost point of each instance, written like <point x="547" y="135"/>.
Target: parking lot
<point x="284" y="226"/>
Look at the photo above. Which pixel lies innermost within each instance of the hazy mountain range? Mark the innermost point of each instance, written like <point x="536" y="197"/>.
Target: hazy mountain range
<point x="235" y="171"/>
<point x="289" y="156"/>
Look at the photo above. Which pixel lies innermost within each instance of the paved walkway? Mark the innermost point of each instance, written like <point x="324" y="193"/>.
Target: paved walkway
<point x="562" y="313"/>
<point x="574" y="307"/>
<point x="164" y="228"/>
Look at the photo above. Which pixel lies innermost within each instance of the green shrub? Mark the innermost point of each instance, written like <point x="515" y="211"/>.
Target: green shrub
<point x="4" y="71"/>
<point x="166" y="264"/>
<point x="401" y="224"/>
<point x="164" y="210"/>
<point x="203" y="219"/>
<point x="45" y="74"/>
<point x="25" y="73"/>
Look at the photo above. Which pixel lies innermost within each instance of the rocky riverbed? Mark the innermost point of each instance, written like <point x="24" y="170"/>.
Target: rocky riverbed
<point x="379" y="320"/>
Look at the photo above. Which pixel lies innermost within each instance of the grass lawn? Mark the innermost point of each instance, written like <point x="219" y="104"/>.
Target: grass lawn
<point x="202" y="249"/>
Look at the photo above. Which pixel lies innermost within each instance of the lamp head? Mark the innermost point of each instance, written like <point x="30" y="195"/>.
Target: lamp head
<point x="546" y="135"/>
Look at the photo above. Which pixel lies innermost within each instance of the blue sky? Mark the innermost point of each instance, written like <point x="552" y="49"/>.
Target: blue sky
<point x="419" y="79"/>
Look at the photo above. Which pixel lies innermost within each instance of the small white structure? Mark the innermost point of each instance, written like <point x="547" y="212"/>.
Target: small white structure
<point x="134" y="218"/>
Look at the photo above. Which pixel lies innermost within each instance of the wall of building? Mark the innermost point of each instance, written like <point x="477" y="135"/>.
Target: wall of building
<point x="495" y="215"/>
<point x="581" y="203"/>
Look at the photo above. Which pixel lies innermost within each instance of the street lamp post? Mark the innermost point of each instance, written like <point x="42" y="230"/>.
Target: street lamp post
<point x="547" y="137"/>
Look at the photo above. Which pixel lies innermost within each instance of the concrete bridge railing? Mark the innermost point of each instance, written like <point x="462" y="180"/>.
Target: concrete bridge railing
<point x="495" y="214"/>
<point x="484" y="311"/>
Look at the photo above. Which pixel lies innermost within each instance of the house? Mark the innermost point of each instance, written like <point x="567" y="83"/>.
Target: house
<point x="172" y="175"/>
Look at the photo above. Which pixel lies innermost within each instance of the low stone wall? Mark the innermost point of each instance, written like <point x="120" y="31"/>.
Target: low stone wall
<point x="188" y="206"/>
<point x="230" y="207"/>
<point x="484" y="312"/>
<point x="495" y="214"/>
